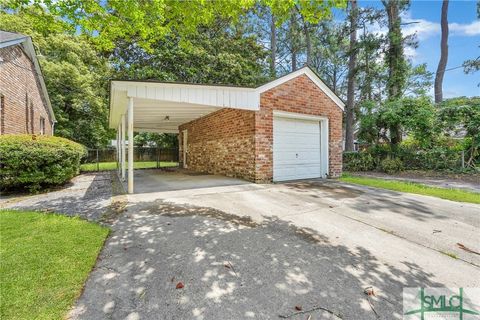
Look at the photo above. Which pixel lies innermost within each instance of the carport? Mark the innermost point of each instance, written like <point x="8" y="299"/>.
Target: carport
<point x="287" y="129"/>
<point x="147" y="106"/>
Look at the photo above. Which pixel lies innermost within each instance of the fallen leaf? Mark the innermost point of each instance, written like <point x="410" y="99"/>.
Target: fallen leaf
<point x="179" y="285"/>
<point x="369" y="291"/>
<point x="298" y="308"/>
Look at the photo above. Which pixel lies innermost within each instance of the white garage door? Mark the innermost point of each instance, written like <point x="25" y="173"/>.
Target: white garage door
<point x="296" y="149"/>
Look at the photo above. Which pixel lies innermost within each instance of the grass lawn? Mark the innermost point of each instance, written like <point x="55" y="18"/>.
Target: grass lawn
<point x="136" y="165"/>
<point x="44" y="262"/>
<point x="410" y="187"/>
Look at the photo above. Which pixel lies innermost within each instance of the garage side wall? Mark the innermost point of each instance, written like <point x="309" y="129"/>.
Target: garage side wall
<point x="222" y="143"/>
<point x="299" y="95"/>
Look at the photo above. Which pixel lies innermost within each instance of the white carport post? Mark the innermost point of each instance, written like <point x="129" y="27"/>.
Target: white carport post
<point x="118" y="150"/>
<point x="122" y="139"/>
<point x="130" y="145"/>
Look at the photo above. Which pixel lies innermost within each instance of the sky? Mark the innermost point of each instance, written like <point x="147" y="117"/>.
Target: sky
<point x="464" y="41"/>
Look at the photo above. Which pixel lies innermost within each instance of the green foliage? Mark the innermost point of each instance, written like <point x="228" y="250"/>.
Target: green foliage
<point x="391" y="165"/>
<point x="436" y="158"/>
<point x="461" y="116"/>
<point x="216" y="55"/>
<point x="30" y="162"/>
<point x="153" y="139"/>
<point x="75" y="75"/>
<point x="414" y="116"/>
<point x="358" y="161"/>
<point x="147" y="22"/>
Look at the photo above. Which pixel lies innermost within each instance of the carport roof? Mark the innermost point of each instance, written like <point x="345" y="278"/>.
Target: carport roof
<point x="163" y="106"/>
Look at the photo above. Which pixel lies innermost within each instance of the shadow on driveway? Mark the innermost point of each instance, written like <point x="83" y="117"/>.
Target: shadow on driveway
<point x="87" y="196"/>
<point x="234" y="268"/>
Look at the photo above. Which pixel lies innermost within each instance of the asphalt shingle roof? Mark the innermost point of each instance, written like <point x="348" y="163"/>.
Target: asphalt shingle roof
<point x="9" y="36"/>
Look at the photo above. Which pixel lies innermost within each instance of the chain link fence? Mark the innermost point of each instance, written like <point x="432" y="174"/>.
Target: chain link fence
<point x="143" y="157"/>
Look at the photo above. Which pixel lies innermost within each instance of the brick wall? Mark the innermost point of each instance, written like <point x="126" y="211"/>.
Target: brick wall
<point x="222" y="142"/>
<point x="23" y="101"/>
<point x="239" y="143"/>
<point x="299" y="95"/>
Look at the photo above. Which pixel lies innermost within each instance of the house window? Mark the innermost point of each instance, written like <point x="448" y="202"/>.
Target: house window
<point x="2" y="114"/>
<point x="42" y="125"/>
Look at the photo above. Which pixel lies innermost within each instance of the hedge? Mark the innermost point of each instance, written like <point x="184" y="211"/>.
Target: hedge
<point x="30" y="162"/>
<point x="358" y="161"/>
<point x="385" y="159"/>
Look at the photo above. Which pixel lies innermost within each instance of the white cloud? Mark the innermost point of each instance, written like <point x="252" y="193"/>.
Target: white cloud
<point x="411" y="53"/>
<point x="471" y="29"/>
<point x="424" y="29"/>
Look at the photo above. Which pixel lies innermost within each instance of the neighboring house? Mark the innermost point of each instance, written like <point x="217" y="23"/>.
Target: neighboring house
<point x="24" y="103"/>
<point x="290" y="128"/>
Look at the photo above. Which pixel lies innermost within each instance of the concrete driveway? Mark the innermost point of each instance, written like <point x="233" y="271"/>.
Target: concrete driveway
<point x="246" y="251"/>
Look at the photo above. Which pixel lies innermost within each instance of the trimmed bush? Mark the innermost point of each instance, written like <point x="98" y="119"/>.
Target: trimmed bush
<point x="31" y="162"/>
<point x="358" y="161"/>
<point x="391" y="165"/>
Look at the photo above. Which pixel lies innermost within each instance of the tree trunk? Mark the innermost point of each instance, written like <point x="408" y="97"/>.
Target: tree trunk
<point x="293" y="42"/>
<point x="395" y="57"/>
<point x="273" y="47"/>
<point x="352" y="64"/>
<point x="308" y="42"/>
<point x="395" y="61"/>
<point x="442" y="64"/>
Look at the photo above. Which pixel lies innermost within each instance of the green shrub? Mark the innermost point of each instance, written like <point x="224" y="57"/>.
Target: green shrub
<point x="391" y="165"/>
<point x="358" y="161"/>
<point x="437" y="158"/>
<point x="31" y="162"/>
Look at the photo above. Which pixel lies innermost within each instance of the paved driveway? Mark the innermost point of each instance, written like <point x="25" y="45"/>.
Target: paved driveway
<point x="256" y="251"/>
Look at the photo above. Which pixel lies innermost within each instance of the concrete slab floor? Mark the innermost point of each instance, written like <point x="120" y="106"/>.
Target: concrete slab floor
<point x="171" y="179"/>
<point x="256" y="251"/>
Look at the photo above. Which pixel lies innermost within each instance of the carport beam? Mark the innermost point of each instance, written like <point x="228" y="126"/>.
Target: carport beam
<point x="122" y="139"/>
<point x="130" y="145"/>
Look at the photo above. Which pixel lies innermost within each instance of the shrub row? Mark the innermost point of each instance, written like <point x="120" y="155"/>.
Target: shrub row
<point x="385" y="159"/>
<point x="29" y="162"/>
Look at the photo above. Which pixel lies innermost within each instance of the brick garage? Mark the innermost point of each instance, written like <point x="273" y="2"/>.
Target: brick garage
<point x="24" y="103"/>
<point x="239" y="143"/>
<point x="290" y="128"/>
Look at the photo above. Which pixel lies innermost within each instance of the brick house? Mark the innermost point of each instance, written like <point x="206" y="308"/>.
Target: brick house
<point x="24" y="103"/>
<point x="290" y="128"/>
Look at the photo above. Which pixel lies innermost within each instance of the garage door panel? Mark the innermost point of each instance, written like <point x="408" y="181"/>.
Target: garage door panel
<point x="287" y="139"/>
<point x="296" y="149"/>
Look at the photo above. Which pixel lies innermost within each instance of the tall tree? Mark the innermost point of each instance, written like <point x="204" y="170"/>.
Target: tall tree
<point x="75" y="74"/>
<point x="294" y="43"/>
<point x="273" y="47"/>
<point x="442" y="64"/>
<point x="352" y="65"/>
<point x="147" y="22"/>
<point x="219" y="53"/>
<point x="396" y="62"/>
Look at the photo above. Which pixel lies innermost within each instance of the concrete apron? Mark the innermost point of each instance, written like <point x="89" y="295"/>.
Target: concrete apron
<point x="396" y="228"/>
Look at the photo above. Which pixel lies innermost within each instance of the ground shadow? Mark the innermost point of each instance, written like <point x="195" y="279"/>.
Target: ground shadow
<point x="233" y="268"/>
<point x="87" y="196"/>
